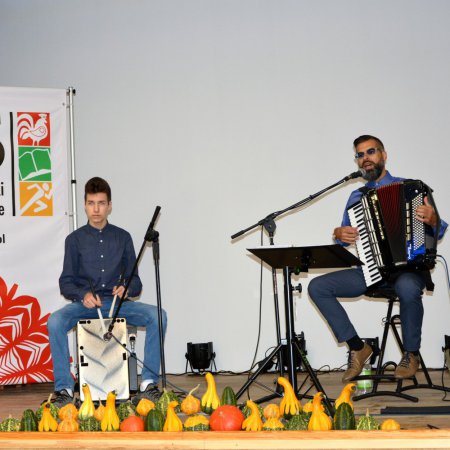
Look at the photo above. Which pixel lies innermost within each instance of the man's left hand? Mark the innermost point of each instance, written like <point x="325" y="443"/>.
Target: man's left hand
<point x="118" y="290"/>
<point x="425" y="213"/>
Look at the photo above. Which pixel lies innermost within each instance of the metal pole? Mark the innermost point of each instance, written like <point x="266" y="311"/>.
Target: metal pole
<point x="70" y="93"/>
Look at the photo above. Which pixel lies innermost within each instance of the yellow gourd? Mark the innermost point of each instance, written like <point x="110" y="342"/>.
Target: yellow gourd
<point x="110" y="421"/>
<point x="191" y="405"/>
<point x="273" y="424"/>
<point x="271" y="411"/>
<point x="100" y="411"/>
<point x="307" y="407"/>
<point x="289" y="405"/>
<point x="173" y="422"/>
<point x="71" y="409"/>
<point x="319" y="420"/>
<point x="87" y="408"/>
<point x="390" y="425"/>
<point x="345" y="395"/>
<point x="68" y="423"/>
<point x="144" y="407"/>
<point x="210" y="400"/>
<point x="253" y="422"/>
<point x="47" y="422"/>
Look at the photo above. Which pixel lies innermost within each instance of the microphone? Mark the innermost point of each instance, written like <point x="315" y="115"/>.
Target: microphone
<point x="359" y="173"/>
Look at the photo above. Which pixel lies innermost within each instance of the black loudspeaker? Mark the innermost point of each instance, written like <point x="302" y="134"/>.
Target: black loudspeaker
<point x="200" y="356"/>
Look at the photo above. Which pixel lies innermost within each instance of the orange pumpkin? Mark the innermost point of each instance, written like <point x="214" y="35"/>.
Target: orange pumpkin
<point x="132" y="423"/>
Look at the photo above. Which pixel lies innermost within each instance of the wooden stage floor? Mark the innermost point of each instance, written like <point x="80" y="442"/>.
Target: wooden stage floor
<point x="419" y="429"/>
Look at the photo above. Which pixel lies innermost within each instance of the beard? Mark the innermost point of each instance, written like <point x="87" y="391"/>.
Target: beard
<point x="374" y="174"/>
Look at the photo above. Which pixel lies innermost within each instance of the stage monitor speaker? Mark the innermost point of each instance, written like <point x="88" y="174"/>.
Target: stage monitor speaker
<point x="103" y="365"/>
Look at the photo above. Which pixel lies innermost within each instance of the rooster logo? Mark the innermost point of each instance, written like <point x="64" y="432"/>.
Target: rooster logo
<point x="29" y="129"/>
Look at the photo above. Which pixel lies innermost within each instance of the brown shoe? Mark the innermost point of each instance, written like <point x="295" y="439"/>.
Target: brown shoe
<point x="357" y="361"/>
<point x="407" y="367"/>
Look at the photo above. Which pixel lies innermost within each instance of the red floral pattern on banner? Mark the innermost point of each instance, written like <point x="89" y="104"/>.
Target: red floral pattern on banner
<point x="24" y="347"/>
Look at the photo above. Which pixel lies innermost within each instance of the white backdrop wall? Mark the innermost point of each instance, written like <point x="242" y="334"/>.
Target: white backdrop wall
<point x="224" y="111"/>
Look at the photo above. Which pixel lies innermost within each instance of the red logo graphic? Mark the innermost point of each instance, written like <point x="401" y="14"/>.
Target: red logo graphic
<point x="33" y="129"/>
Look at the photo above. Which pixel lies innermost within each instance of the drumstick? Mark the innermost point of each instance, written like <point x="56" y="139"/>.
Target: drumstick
<point x="99" y="311"/>
<point x="114" y="299"/>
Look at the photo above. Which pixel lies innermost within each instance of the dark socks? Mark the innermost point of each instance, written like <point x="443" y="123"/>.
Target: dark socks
<point x="355" y="343"/>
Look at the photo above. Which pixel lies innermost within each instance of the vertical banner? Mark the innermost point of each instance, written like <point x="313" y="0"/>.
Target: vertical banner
<point x="34" y="221"/>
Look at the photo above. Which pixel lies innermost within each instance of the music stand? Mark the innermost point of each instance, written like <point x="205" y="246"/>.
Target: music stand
<point x="298" y="259"/>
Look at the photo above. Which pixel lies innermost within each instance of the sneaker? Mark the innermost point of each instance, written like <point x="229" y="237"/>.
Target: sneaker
<point x="357" y="360"/>
<point x="62" y="398"/>
<point x="151" y="393"/>
<point x="407" y="367"/>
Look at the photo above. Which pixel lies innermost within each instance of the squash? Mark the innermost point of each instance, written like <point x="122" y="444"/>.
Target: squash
<point x="390" y="425"/>
<point x="99" y="411"/>
<point x="154" y="420"/>
<point x="132" y="423"/>
<point x="29" y="421"/>
<point x="226" y="418"/>
<point x="47" y="422"/>
<point x="125" y="409"/>
<point x="367" y="422"/>
<point x="273" y="424"/>
<point x="68" y="423"/>
<point x="299" y="422"/>
<point x="196" y="423"/>
<point x="345" y="395"/>
<point x="272" y="411"/>
<point x="10" y="424"/>
<point x="173" y="422"/>
<point x="110" y="421"/>
<point x="289" y="405"/>
<point x="53" y="409"/>
<point x="247" y="411"/>
<point x="210" y="400"/>
<point x="144" y="406"/>
<point x="228" y="397"/>
<point x="191" y="405"/>
<point x="253" y="422"/>
<point x="344" y="418"/>
<point x="308" y="407"/>
<point x="87" y="408"/>
<point x="89" y="424"/>
<point x="319" y="421"/>
<point x="71" y="409"/>
<point x="163" y="402"/>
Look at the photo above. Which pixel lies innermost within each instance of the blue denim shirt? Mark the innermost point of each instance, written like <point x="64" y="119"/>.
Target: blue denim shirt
<point x="100" y="256"/>
<point x="356" y="195"/>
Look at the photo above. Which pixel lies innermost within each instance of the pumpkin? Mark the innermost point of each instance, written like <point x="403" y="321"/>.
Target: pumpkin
<point x="144" y="406"/>
<point x="271" y="411"/>
<point x="253" y="422"/>
<point x="344" y="418"/>
<point x="289" y="405"/>
<point x="47" y="422"/>
<point x="173" y="422"/>
<point x="66" y="410"/>
<point x="110" y="421"/>
<point x="367" y="422"/>
<point x="163" y="402"/>
<point x="191" y="405"/>
<point x="226" y="418"/>
<point x="89" y="424"/>
<point x="210" y="400"/>
<point x="273" y="424"/>
<point x="228" y="397"/>
<point x="154" y="420"/>
<point x="99" y="411"/>
<point x="196" y="423"/>
<point x="319" y="421"/>
<point x="132" y="423"/>
<point x="87" y="408"/>
<point x="68" y="423"/>
<point x="390" y="425"/>
<point x="10" y="424"/>
<point x="29" y="421"/>
<point x="299" y="422"/>
<point x="345" y="395"/>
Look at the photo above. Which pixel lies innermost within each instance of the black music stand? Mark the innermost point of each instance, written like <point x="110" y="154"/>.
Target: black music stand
<point x="298" y="259"/>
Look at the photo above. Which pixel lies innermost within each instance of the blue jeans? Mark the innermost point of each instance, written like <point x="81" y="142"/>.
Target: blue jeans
<point x="325" y="289"/>
<point x="136" y="313"/>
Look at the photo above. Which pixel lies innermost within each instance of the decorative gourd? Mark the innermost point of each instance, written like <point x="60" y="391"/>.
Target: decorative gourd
<point x="272" y="411"/>
<point x="125" y="410"/>
<point x="144" y="406"/>
<point x="99" y="411"/>
<point x="228" y="397"/>
<point x="68" y="423"/>
<point x="53" y="409"/>
<point x="196" y="423"/>
<point x="253" y="422"/>
<point x="367" y="422"/>
<point x="87" y="408"/>
<point x="132" y="423"/>
<point x="89" y="424"/>
<point x="165" y="399"/>
<point x="226" y="418"/>
<point x="29" y="421"/>
<point x="71" y="409"/>
<point x="154" y="420"/>
<point x="344" y="418"/>
<point x="210" y="400"/>
<point x="10" y="424"/>
<point x="390" y="425"/>
<point x="345" y="395"/>
<point x="319" y="421"/>
<point x="308" y="407"/>
<point x="299" y="422"/>
<point x="247" y="411"/>
<point x="173" y="422"/>
<point x="191" y="405"/>
<point x="110" y="421"/>
<point x="47" y="422"/>
<point x="289" y="405"/>
<point x="273" y="424"/>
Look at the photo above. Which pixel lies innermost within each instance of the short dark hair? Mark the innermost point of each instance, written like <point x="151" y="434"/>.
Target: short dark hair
<point x="367" y="137"/>
<point x="97" y="185"/>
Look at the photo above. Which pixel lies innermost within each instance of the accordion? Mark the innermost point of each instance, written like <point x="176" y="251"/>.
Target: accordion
<point x="390" y="236"/>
